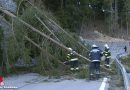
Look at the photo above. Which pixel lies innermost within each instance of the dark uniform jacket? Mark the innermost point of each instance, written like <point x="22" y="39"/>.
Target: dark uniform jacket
<point x="95" y="55"/>
<point x="72" y="57"/>
<point x="107" y="53"/>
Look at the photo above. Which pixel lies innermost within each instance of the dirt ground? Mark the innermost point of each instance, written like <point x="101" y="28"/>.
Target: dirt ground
<point x="99" y="36"/>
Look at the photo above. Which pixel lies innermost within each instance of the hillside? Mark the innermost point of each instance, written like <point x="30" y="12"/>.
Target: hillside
<point x="97" y="36"/>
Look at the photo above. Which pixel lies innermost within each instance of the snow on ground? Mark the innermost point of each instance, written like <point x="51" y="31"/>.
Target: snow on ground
<point x="33" y="81"/>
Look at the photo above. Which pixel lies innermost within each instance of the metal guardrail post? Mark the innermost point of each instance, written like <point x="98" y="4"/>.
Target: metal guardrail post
<point x="123" y="72"/>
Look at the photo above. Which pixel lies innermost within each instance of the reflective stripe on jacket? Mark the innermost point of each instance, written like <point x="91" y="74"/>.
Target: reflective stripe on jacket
<point x="72" y="57"/>
<point x="107" y="54"/>
<point x="95" y="61"/>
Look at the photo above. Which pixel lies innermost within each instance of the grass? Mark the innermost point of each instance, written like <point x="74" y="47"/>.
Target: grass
<point x="120" y="83"/>
<point x="126" y="61"/>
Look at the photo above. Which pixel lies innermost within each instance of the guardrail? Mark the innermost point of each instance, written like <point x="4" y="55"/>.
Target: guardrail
<point x="123" y="71"/>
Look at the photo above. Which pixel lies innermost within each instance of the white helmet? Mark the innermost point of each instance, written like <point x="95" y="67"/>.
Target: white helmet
<point x="70" y="49"/>
<point x="94" y="46"/>
<point x="106" y="46"/>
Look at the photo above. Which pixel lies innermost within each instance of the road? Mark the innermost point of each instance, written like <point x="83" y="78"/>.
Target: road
<point x="116" y="47"/>
<point x="35" y="81"/>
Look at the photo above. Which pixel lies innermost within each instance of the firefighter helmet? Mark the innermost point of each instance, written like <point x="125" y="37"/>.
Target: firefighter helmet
<point x="106" y="46"/>
<point x="70" y="49"/>
<point x="94" y="46"/>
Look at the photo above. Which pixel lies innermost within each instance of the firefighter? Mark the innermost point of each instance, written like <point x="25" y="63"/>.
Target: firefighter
<point x="95" y="57"/>
<point x="73" y="60"/>
<point x="107" y="55"/>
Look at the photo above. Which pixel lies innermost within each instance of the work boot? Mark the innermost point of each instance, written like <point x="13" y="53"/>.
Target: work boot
<point x="91" y="76"/>
<point x="97" y="76"/>
<point x="71" y="69"/>
<point x="77" y="68"/>
<point x="105" y="65"/>
<point x="108" y="66"/>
